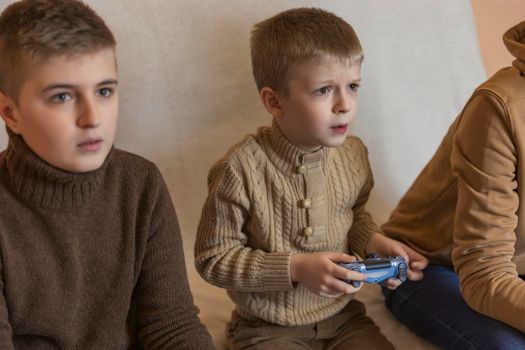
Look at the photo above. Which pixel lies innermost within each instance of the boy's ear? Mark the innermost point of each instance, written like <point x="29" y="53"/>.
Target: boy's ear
<point x="271" y="101"/>
<point x="7" y="112"/>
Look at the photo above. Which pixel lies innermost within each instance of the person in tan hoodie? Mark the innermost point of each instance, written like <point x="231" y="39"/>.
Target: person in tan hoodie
<point x="463" y="213"/>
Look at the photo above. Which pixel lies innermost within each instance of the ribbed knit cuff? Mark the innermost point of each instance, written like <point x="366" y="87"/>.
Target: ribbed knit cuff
<point x="276" y="271"/>
<point x="193" y="340"/>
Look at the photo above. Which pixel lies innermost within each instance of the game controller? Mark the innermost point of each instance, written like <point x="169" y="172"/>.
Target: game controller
<point x="378" y="269"/>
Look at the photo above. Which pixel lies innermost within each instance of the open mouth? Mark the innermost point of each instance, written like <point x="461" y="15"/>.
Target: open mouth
<point x="339" y="128"/>
<point x="90" y="145"/>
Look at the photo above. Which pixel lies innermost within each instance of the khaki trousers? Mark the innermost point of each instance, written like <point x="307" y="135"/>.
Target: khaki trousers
<point x="350" y="329"/>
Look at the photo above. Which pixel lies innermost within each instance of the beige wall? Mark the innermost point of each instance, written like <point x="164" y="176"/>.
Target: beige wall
<point x="493" y="18"/>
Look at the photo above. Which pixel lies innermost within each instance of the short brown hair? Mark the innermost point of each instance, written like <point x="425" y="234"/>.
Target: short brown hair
<point x="32" y="31"/>
<point x="297" y="36"/>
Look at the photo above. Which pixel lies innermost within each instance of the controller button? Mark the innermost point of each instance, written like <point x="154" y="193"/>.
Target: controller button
<point x="308" y="231"/>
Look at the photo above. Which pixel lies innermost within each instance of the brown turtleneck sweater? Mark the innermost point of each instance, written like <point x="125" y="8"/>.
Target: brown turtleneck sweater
<point x="91" y="260"/>
<point x="267" y="199"/>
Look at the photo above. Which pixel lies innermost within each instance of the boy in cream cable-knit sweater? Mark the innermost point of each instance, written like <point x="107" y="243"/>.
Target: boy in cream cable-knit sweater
<point x="287" y="204"/>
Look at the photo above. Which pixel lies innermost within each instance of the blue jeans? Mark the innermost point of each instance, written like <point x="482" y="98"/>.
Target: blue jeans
<point x="435" y="309"/>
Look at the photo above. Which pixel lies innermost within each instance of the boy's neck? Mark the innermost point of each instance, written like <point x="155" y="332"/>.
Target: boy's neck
<point x="302" y="148"/>
<point x="45" y="185"/>
<point x="286" y="156"/>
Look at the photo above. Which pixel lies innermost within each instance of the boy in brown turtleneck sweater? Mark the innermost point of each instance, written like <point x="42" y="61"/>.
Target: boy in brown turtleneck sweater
<point x="287" y="204"/>
<point x="90" y="248"/>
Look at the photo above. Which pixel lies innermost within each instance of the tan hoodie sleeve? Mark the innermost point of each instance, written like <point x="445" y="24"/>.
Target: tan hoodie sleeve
<point x="484" y="161"/>
<point x="222" y="253"/>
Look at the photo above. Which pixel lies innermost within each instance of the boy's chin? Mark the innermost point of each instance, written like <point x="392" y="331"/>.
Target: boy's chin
<point x="334" y="143"/>
<point x="83" y="165"/>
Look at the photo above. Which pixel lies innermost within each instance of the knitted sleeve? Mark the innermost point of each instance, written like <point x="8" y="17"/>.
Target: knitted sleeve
<point x="484" y="160"/>
<point x="363" y="225"/>
<point x="223" y="256"/>
<point x="6" y="333"/>
<point x="166" y="314"/>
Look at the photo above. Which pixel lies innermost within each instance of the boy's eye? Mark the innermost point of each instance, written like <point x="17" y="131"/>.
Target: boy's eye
<point x="322" y="91"/>
<point x="61" y="97"/>
<point x="105" y="92"/>
<point x="353" y="87"/>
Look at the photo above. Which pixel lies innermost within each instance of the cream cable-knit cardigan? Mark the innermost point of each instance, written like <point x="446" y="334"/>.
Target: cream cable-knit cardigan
<point x="268" y="199"/>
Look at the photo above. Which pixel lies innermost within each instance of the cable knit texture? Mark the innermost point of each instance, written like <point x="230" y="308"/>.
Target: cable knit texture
<point x="91" y="260"/>
<point x="267" y="199"/>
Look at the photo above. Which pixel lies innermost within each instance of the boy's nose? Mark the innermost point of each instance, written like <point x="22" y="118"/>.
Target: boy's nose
<point x="343" y="103"/>
<point x="88" y="116"/>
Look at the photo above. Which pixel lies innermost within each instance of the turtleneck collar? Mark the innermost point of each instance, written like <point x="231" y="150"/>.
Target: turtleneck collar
<point x="286" y="156"/>
<point x="45" y="185"/>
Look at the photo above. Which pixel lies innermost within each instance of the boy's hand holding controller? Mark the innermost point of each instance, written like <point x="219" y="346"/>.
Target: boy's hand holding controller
<point x="379" y="270"/>
<point x="321" y="274"/>
<point x="385" y="246"/>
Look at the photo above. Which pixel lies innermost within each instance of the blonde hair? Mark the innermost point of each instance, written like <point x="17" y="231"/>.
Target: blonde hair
<point x="296" y="36"/>
<point x="32" y="31"/>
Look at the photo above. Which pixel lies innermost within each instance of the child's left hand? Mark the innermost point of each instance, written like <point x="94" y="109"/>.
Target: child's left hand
<point x="379" y="243"/>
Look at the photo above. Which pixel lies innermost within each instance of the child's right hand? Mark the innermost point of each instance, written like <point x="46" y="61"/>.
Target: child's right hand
<point x="321" y="274"/>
